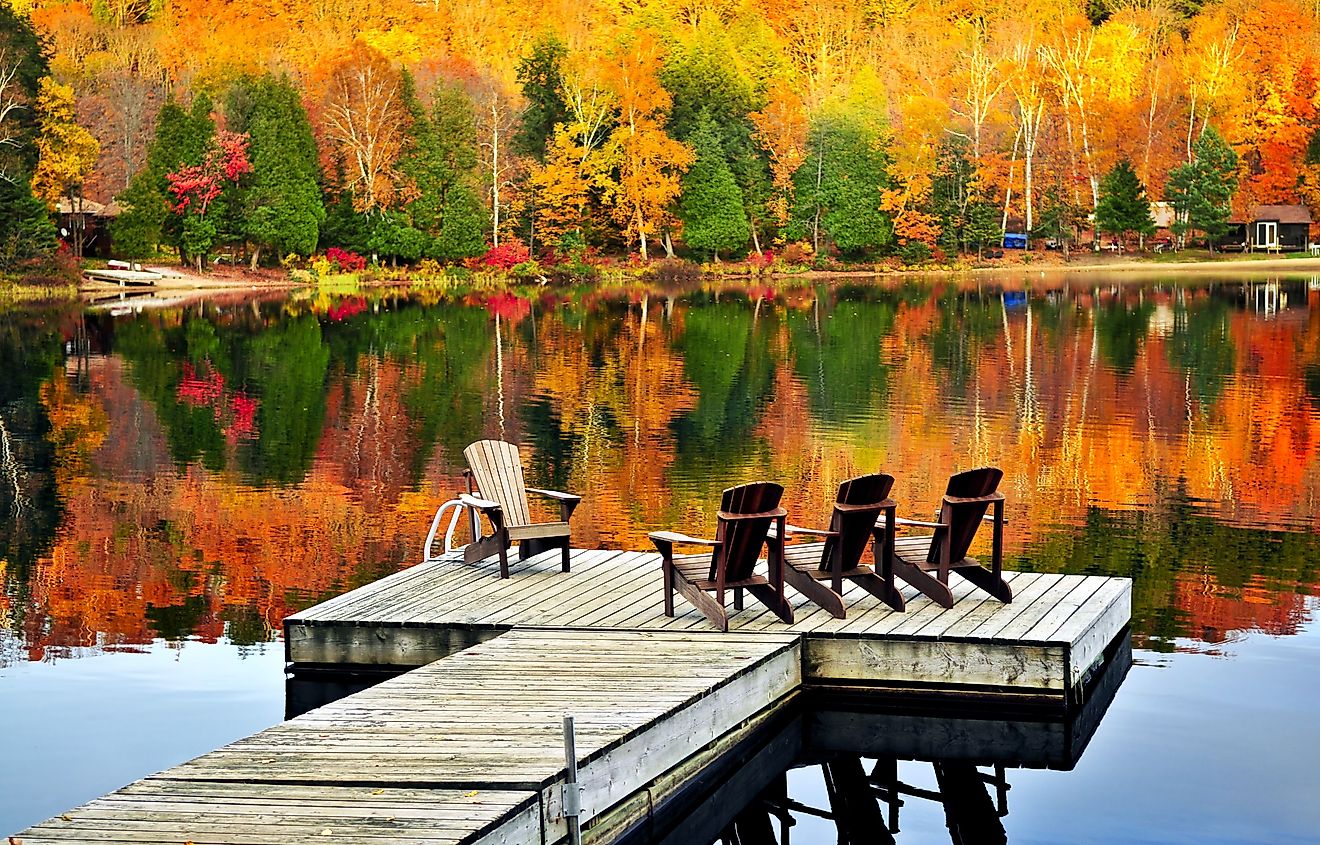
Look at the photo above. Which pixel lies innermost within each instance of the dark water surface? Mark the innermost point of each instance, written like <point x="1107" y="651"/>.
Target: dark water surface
<point x="174" y="482"/>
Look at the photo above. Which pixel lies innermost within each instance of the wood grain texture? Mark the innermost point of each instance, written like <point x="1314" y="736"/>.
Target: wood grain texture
<point x="467" y="749"/>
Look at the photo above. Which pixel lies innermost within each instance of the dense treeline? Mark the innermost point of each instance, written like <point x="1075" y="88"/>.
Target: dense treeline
<point x="445" y="129"/>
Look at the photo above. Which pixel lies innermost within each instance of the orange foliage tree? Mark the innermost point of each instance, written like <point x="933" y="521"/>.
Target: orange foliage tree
<point x="366" y="120"/>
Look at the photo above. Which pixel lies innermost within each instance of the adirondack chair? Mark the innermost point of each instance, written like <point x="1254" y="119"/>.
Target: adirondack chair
<point x="962" y="510"/>
<point x="746" y="515"/>
<point x="497" y="490"/>
<point x="817" y="569"/>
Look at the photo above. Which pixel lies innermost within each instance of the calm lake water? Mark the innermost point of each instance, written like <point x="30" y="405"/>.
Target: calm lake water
<point x="174" y="481"/>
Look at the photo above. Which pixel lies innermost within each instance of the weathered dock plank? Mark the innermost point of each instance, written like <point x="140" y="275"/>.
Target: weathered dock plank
<point x="466" y="749"/>
<point x="1043" y="642"/>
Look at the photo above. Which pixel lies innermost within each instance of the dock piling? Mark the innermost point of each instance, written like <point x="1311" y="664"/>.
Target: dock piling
<point x="572" y="790"/>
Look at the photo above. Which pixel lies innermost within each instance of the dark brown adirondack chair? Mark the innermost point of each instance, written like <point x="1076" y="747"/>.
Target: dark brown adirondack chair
<point x="817" y="569"/>
<point x="746" y="515"/>
<point x="496" y="489"/>
<point x="962" y="510"/>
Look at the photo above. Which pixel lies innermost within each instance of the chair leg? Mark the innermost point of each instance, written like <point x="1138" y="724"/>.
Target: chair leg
<point x="988" y="581"/>
<point x="778" y="604"/>
<point x="737" y="598"/>
<point x="669" y="587"/>
<point x="935" y="589"/>
<point x="816" y="591"/>
<point x="564" y="562"/>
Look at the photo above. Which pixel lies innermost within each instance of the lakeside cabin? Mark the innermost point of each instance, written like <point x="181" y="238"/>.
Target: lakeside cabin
<point x="85" y="225"/>
<point x="1269" y="228"/>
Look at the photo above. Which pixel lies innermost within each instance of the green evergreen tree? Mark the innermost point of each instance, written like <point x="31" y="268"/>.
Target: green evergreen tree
<point x="711" y="206"/>
<point x="983" y="226"/>
<point x="20" y="43"/>
<point x="838" y="186"/>
<point x="280" y="208"/>
<point x="441" y="162"/>
<point x="182" y="138"/>
<point x="393" y="237"/>
<point x="26" y="230"/>
<point x="463" y="231"/>
<point x="1202" y="190"/>
<point x="1123" y="207"/>
<point x="705" y="79"/>
<point x="1058" y="217"/>
<point x="542" y="83"/>
<point x="951" y="193"/>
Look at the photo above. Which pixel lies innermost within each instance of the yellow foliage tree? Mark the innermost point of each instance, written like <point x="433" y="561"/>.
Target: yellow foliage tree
<point x="650" y="163"/>
<point x="561" y="191"/>
<point x="66" y="151"/>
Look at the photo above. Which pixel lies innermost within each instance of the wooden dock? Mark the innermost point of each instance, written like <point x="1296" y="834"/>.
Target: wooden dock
<point x="1042" y="645"/>
<point x="468" y="749"/>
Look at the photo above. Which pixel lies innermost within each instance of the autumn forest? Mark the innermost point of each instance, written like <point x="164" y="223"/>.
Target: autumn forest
<point x="508" y="130"/>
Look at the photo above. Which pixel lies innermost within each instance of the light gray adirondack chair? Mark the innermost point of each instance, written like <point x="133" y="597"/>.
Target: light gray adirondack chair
<point x="496" y="489"/>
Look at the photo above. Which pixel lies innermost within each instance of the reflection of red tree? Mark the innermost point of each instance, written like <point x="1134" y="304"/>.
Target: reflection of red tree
<point x="237" y="417"/>
<point x="347" y="308"/>
<point x="508" y="305"/>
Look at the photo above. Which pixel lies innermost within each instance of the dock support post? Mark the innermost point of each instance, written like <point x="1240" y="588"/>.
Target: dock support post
<point x="572" y="791"/>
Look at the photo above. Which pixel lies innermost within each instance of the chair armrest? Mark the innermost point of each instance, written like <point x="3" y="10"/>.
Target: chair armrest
<point x="675" y="537"/>
<point x="479" y="504"/>
<point x="842" y="508"/>
<point x="901" y="521"/>
<point x="731" y="517"/>
<point x="966" y="500"/>
<point x="816" y="532"/>
<point x="555" y="494"/>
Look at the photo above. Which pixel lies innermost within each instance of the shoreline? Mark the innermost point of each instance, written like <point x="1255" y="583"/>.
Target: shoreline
<point x="176" y="280"/>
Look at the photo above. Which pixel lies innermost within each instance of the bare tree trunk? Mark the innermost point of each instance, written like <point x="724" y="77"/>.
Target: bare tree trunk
<point x="256" y="256"/>
<point x="495" y="168"/>
<point x="1150" y="126"/>
<point x="669" y="245"/>
<point x="1191" y="125"/>
<point x="1008" y="191"/>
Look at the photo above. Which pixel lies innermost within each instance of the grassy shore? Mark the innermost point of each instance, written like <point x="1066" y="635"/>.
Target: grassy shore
<point x="1014" y="263"/>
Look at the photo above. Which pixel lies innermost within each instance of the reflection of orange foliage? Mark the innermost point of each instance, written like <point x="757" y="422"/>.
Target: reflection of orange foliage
<point x="1034" y="394"/>
<point x="1217" y="610"/>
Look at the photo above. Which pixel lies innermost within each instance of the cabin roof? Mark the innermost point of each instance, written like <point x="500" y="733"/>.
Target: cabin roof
<point x="1282" y="213"/>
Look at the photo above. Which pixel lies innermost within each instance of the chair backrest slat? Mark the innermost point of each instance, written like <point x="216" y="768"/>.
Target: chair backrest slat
<point x="964" y="518"/>
<point x="497" y="468"/>
<point x="744" y="538"/>
<point x="867" y="492"/>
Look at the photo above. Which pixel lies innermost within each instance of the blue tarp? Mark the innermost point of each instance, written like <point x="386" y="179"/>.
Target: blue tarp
<point x="1014" y="240"/>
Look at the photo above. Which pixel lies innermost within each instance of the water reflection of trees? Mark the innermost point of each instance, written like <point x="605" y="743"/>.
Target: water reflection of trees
<point x="31" y="351"/>
<point x="1160" y="433"/>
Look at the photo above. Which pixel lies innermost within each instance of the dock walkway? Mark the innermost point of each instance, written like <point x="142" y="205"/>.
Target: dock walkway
<point x="466" y="750"/>
<point x="1043" y="644"/>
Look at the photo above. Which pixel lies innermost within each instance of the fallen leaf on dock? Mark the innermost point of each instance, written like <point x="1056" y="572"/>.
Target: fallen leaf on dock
<point x="327" y="832"/>
<point x="472" y="794"/>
